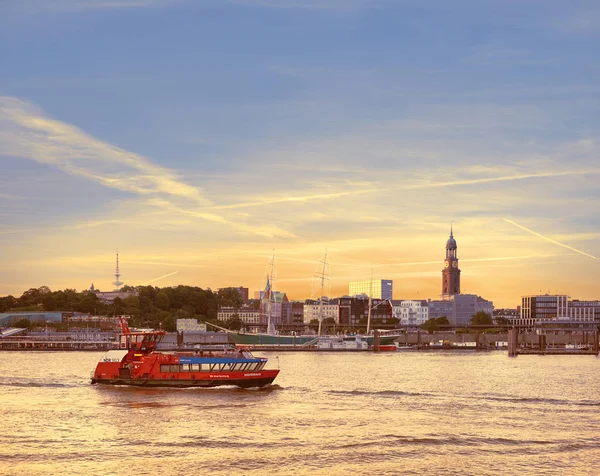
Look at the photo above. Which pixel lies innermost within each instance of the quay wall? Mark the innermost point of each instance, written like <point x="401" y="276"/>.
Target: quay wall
<point x="484" y="339"/>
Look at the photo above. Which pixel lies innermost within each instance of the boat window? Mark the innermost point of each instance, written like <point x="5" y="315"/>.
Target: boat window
<point x="184" y="368"/>
<point x="174" y="368"/>
<point x="195" y="368"/>
<point x="164" y="368"/>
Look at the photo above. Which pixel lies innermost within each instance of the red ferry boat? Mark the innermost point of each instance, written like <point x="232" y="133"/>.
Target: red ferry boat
<point x="138" y="363"/>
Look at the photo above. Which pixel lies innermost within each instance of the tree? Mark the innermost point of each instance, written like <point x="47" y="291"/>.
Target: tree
<point x="30" y="297"/>
<point x="88" y="303"/>
<point x="169" y="324"/>
<point x="234" y="323"/>
<point x="328" y="324"/>
<point x="49" y="302"/>
<point x="482" y="319"/>
<point x="501" y="320"/>
<point x="7" y="303"/>
<point x="162" y="301"/>
<point x="434" y="324"/>
<point x="230" y="297"/>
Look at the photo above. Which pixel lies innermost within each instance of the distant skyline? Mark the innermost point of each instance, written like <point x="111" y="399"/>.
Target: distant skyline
<point x="199" y="136"/>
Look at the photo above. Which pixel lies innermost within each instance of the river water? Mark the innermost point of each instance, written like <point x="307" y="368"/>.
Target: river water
<point x="327" y="413"/>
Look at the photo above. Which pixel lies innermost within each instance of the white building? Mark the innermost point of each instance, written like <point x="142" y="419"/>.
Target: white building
<point x="376" y="288"/>
<point x="247" y="315"/>
<point x="584" y="311"/>
<point x="190" y="325"/>
<point x="410" y="313"/>
<point x="312" y="310"/>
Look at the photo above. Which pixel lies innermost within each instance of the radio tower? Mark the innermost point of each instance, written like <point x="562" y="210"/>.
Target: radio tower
<point x="117" y="282"/>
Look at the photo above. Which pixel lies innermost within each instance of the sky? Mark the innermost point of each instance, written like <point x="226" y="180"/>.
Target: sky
<point x="202" y="137"/>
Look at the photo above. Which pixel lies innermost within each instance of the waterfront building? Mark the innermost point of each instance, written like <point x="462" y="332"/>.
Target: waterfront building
<point x="281" y="309"/>
<point x="249" y="315"/>
<point x="376" y="288"/>
<point x="410" y="313"/>
<point x="508" y="314"/>
<point x="313" y="309"/>
<point x="459" y="308"/>
<point x="540" y="308"/>
<point x="537" y="309"/>
<point x="584" y="311"/>
<point x="190" y="325"/>
<point x="10" y="318"/>
<point x="355" y="310"/>
<point x="351" y="310"/>
<point x="107" y="297"/>
<point x="277" y="303"/>
<point x="440" y="308"/>
<point x="451" y="271"/>
<point x="297" y="310"/>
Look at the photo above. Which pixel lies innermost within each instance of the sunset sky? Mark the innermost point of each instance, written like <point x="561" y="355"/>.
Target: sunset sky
<point x="197" y="136"/>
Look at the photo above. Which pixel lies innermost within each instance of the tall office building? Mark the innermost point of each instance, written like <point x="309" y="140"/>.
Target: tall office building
<point x="376" y="288"/>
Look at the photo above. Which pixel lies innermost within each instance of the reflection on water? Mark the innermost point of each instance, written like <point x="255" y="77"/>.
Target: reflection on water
<point x="450" y="413"/>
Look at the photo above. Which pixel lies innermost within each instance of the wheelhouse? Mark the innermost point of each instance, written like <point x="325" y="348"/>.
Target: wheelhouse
<point x="208" y="364"/>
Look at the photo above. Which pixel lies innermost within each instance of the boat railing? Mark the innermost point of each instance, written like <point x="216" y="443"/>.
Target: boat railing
<point x="310" y="343"/>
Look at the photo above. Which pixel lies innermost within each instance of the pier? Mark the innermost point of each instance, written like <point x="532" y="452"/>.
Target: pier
<point x="549" y="341"/>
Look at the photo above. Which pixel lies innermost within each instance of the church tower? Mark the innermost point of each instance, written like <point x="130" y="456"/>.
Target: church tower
<point x="450" y="273"/>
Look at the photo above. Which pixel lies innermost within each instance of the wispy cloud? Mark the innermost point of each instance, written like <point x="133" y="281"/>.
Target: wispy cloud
<point x="313" y="4"/>
<point x="407" y="184"/>
<point x="26" y="132"/>
<point x="160" y="277"/>
<point x="39" y="6"/>
<point x="550" y="240"/>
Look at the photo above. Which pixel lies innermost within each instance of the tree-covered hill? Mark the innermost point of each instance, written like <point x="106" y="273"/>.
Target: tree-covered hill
<point x="151" y="307"/>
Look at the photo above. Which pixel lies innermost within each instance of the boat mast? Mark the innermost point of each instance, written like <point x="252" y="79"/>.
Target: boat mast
<point x="322" y="278"/>
<point x="269" y="293"/>
<point x="370" y="300"/>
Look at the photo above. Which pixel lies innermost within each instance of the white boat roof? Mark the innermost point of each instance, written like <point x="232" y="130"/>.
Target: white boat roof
<point x="114" y="355"/>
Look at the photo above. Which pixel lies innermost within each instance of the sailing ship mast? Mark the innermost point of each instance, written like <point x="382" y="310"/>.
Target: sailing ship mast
<point x="269" y="293"/>
<point x="370" y="301"/>
<point x="322" y="276"/>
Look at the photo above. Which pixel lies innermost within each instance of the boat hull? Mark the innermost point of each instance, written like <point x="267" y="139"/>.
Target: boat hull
<point x="277" y="341"/>
<point x="262" y="379"/>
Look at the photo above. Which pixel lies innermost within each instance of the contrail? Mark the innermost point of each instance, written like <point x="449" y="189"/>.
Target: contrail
<point x="160" y="277"/>
<point x="550" y="239"/>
